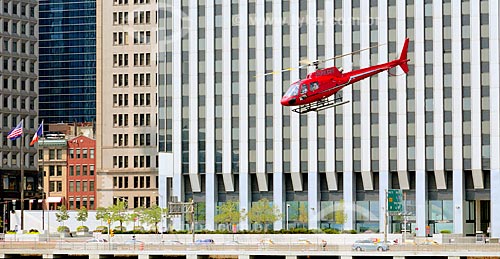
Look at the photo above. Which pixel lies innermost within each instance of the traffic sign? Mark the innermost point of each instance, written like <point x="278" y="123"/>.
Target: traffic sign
<point x="394" y="201"/>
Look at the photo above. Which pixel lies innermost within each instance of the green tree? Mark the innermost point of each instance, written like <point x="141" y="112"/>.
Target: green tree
<point x="340" y="215"/>
<point x="303" y="216"/>
<point x="118" y="213"/>
<point x="62" y="215"/>
<point x="102" y="214"/>
<point x="262" y="212"/>
<point x="152" y="216"/>
<point x="228" y="213"/>
<point x="82" y="215"/>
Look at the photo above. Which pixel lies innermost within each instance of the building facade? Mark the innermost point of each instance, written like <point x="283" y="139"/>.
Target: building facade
<point x="434" y="133"/>
<point x="126" y="154"/>
<point x="53" y="162"/>
<point x="67" y="54"/>
<point x="81" y="173"/>
<point x="18" y="99"/>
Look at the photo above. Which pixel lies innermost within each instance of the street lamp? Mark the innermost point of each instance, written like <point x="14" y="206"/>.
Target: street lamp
<point x="287" y="207"/>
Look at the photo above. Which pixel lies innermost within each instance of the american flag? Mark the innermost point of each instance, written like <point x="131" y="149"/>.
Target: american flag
<point x="16" y="132"/>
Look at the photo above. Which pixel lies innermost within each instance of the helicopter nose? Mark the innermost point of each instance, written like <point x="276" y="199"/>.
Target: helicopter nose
<point x="288" y="101"/>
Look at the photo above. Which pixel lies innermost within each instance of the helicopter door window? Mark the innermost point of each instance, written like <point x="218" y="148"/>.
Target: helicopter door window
<point x="314" y="86"/>
<point x="303" y="89"/>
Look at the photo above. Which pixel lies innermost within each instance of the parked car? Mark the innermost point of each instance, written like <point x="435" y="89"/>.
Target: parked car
<point x="97" y="240"/>
<point x="133" y="242"/>
<point x="369" y="245"/>
<point x="172" y="242"/>
<point x="207" y="241"/>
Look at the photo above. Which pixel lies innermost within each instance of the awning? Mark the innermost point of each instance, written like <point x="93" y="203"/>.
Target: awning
<point x="54" y="199"/>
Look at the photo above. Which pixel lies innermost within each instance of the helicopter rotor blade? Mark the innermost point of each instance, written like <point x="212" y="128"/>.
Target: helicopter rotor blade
<point x="278" y="71"/>
<point x="351" y="53"/>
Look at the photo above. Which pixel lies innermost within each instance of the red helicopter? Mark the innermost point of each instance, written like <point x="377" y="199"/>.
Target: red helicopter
<point x="313" y="92"/>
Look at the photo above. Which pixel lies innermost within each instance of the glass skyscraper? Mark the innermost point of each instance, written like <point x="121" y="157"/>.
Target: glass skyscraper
<point x="67" y="60"/>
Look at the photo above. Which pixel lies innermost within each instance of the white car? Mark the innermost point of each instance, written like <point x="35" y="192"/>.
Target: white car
<point x="97" y="240"/>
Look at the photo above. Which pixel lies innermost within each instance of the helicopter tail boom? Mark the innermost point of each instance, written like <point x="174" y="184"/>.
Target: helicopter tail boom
<point x="403" y="61"/>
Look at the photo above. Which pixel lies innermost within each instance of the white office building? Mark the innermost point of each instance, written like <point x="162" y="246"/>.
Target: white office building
<point x="434" y="133"/>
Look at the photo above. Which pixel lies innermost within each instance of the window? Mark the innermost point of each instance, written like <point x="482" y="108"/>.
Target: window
<point x="314" y="86"/>
<point x="303" y="89"/>
<point x="77" y="170"/>
<point x="85" y="151"/>
<point x="91" y="170"/>
<point x="91" y="153"/>
<point x="52" y="154"/>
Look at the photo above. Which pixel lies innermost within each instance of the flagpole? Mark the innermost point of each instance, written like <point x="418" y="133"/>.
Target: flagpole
<point x="22" y="179"/>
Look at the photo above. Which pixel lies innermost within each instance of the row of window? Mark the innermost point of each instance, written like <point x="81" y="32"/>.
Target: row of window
<point x="140" y="120"/>
<point x="79" y="202"/>
<point x="140" y="17"/>
<point x="19" y="65"/>
<point x="140" y="80"/>
<point x="84" y="170"/>
<point x="17" y="102"/>
<point x="139" y="161"/>
<point x="15" y="27"/>
<point x="17" y="83"/>
<point x="141" y="182"/>
<point x="14" y="45"/>
<point x="140" y="59"/>
<point x="121" y="140"/>
<point x="81" y="186"/>
<point x="81" y="153"/>
<point x="125" y="2"/>
<point x="19" y="9"/>
<point x="140" y="99"/>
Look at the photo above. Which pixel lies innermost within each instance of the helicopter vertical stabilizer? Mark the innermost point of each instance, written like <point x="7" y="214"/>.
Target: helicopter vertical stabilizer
<point x="403" y="60"/>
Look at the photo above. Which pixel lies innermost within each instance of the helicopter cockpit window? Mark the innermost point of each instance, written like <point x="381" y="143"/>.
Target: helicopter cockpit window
<point x="303" y="89"/>
<point x="314" y="86"/>
<point x="292" y="91"/>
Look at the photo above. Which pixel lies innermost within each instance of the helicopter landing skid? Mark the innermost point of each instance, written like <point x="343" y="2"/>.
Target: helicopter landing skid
<point x="318" y="106"/>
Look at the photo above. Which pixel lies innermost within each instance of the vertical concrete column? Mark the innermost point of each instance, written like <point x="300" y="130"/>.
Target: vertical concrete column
<point x="279" y="199"/>
<point x="243" y="256"/>
<point x="398" y="257"/>
<point x="211" y="200"/>
<point x="494" y="119"/>
<point x="143" y="256"/>
<point x="210" y="178"/>
<point x="345" y="257"/>
<point x="291" y="257"/>
<point x="278" y="183"/>
<point x="349" y="193"/>
<point x="91" y="256"/>
<point x="244" y="177"/>
<point x="421" y="201"/>
<point x="191" y="256"/>
<point x="48" y="256"/>
<point x="383" y="156"/>
<point x="458" y="201"/>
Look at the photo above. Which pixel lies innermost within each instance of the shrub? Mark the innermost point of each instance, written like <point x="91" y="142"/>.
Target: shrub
<point x="62" y="229"/>
<point x="102" y="229"/>
<point x="33" y="231"/>
<point x="82" y="229"/>
<point x="445" y="231"/>
<point x="11" y="232"/>
<point x="120" y="229"/>
<point x="139" y="228"/>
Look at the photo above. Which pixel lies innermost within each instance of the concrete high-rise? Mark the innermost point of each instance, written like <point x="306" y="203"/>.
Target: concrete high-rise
<point x="435" y="133"/>
<point x="67" y="61"/>
<point x="18" y="99"/>
<point x="126" y="127"/>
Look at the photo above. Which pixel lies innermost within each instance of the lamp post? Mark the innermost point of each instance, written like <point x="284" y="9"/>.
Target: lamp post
<point x="287" y="207"/>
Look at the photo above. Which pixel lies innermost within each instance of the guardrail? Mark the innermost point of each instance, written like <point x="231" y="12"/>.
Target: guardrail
<point x="61" y="245"/>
